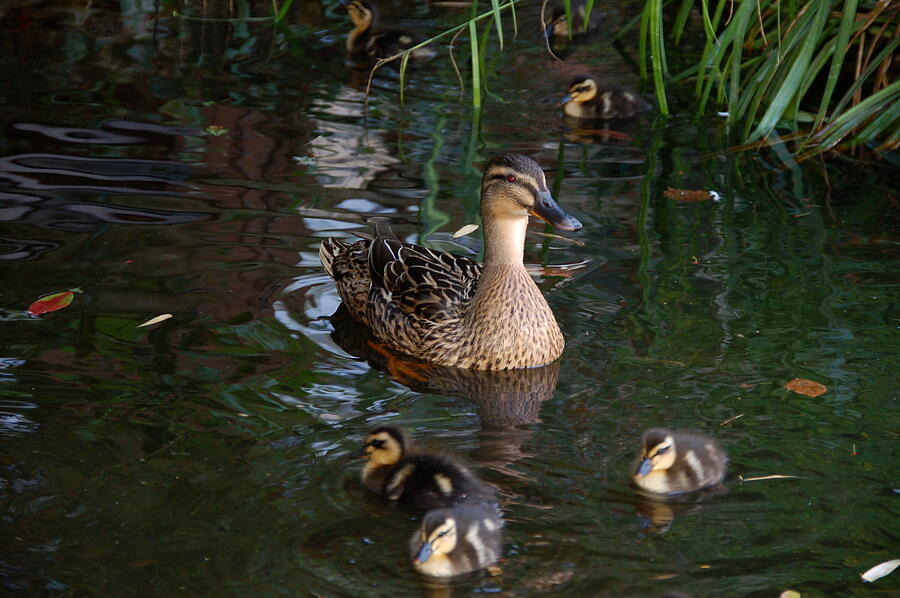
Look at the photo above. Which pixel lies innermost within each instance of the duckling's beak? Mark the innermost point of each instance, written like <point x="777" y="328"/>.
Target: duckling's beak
<point x="565" y="100"/>
<point x="548" y="210"/>
<point x="644" y="468"/>
<point x="424" y="553"/>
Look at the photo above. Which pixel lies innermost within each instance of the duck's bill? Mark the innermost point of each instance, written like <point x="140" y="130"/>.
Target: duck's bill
<point x="548" y="210"/>
<point x="424" y="554"/>
<point x="565" y="100"/>
<point x="644" y="468"/>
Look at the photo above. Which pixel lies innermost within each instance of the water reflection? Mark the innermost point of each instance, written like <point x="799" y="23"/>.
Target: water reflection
<point x="504" y="400"/>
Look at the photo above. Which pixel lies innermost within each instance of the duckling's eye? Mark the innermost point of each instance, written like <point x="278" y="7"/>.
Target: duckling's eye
<point x="511" y="178"/>
<point x="662" y="451"/>
<point x="443" y="533"/>
<point x="377" y="444"/>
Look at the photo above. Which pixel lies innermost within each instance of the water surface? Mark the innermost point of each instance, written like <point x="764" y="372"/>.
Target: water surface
<point x="167" y="164"/>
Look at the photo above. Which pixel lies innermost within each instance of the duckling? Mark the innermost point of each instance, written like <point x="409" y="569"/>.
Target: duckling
<point x="397" y="471"/>
<point x="457" y="540"/>
<point x="367" y="39"/>
<point x="674" y="462"/>
<point x="585" y="100"/>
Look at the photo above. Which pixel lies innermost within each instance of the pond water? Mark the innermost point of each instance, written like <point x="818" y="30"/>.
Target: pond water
<point x="165" y="163"/>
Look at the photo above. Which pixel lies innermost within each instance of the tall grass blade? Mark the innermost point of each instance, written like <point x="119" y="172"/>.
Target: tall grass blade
<point x="885" y="101"/>
<point x="498" y="21"/>
<point x="657" y="53"/>
<point x="588" y="7"/>
<point x="403" y="62"/>
<point x="681" y="18"/>
<point x="476" y="71"/>
<point x="848" y="18"/>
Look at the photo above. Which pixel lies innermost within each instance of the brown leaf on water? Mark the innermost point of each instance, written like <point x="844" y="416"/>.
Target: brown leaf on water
<point x="687" y="194"/>
<point x="806" y="387"/>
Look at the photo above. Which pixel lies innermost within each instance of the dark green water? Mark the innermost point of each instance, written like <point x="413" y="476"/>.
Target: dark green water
<point x="211" y="455"/>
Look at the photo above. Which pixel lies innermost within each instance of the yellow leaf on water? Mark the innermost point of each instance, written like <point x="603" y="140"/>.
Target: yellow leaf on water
<point x="467" y="229"/>
<point x="880" y="570"/>
<point x="789" y="594"/>
<point x="806" y="387"/>
<point x="155" y="320"/>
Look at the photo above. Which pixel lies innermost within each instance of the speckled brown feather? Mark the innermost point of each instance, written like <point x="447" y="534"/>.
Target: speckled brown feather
<point x="449" y="309"/>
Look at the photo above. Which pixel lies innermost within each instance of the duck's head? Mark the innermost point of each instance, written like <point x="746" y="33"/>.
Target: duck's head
<point x="581" y="89"/>
<point x="658" y="452"/>
<point x="363" y="14"/>
<point x="437" y="535"/>
<point x="384" y="445"/>
<point x="514" y="186"/>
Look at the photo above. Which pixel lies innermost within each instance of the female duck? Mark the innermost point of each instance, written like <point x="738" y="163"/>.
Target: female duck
<point x="674" y="462"/>
<point x="449" y="309"/>
<point x="585" y="100"/>
<point x="458" y="540"/>
<point x="397" y="471"/>
<point x="366" y="39"/>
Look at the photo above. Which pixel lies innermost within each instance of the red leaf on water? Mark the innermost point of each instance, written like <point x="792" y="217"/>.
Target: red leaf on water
<point x="52" y="302"/>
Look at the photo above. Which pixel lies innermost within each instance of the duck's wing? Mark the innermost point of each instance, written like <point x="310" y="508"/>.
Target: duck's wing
<point x="425" y="284"/>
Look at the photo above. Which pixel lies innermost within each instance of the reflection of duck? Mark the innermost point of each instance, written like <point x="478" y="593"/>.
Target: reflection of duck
<point x="449" y="309"/>
<point x="505" y="400"/>
<point x="397" y="470"/>
<point x="557" y="30"/>
<point x="674" y="462"/>
<point x="585" y="100"/>
<point x="458" y="540"/>
<point x="367" y="39"/>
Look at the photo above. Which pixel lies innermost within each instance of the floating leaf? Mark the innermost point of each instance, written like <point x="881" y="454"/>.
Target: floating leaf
<point x="806" y="387"/>
<point x="467" y="229"/>
<point x="52" y="302"/>
<point x="216" y="130"/>
<point x="155" y="320"/>
<point x="687" y="195"/>
<point x="789" y="594"/>
<point x="880" y="570"/>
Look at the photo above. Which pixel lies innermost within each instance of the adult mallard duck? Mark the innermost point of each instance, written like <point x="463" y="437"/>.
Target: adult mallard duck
<point x="398" y="470"/>
<point x="457" y="540"/>
<point x="675" y="462"/>
<point x="449" y="309"/>
<point x="366" y="39"/>
<point x="586" y="100"/>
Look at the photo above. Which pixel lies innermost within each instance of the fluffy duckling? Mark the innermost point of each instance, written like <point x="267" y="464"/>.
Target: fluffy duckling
<point x="586" y="100"/>
<point x="457" y="540"/>
<point x="366" y="39"/>
<point x="674" y="462"/>
<point x="397" y="471"/>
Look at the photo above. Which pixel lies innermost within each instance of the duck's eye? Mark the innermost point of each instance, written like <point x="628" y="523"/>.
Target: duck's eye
<point x="511" y="178"/>
<point x="662" y="451"/>
<point x="377" y="444"/>
<point x="443" y="533"/>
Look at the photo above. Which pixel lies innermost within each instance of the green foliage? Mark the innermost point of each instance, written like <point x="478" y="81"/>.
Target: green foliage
<point x="769" y="61"/>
